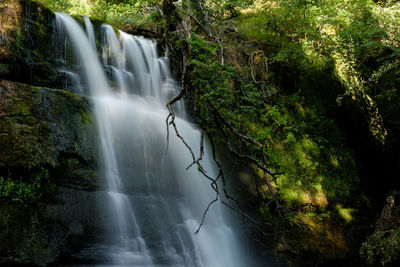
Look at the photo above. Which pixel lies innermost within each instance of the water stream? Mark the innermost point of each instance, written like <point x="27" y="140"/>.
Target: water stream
<point x="152" y="205"/>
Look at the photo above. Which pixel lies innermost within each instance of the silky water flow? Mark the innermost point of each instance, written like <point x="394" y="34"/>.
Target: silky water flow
<point x="152" y="205"/>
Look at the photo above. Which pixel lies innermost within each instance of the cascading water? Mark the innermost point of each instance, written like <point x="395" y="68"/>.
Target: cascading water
<point x="90" y="32"/>
<point x="152" y="205"/>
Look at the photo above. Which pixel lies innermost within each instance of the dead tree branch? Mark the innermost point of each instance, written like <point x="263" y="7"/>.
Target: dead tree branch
<point x="169" y="12"/>
<point x="233" y="129"/>
<point x="205" y="212"/>
<point x="234" y="152"/>
<point x="214" y="181"/>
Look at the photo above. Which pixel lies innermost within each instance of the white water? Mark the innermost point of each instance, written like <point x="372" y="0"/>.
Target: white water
<point x="152" y="204"/>
<point x="90" y="32"/>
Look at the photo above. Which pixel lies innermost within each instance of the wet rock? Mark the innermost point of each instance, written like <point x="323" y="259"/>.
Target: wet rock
<point x="47" y="127"/>
<point x="26" y="43"/>
<point x="51" y="129"/>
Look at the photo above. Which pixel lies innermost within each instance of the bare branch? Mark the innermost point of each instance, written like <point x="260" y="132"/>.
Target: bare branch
<point x="172" y="122"/>
<point x="184" y="34"/>
<point x="205" y="212"/>
<point x="218" y="115"/>
<point x="233" y="129"/>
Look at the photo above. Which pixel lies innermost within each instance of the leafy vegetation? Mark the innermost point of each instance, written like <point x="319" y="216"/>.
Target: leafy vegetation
<point x="301" y="75"/>
<point x="319" y="173"/>
<point x="117" y="13"/>
<point x="28" y="191"/>
<point x="381" y="247"/>
<point x="315" y="83"/>
<point x="353" y="40"/>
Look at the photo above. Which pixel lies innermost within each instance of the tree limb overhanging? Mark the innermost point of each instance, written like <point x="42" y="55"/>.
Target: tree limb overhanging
<point x="218" y="115"/>
<point x="214" y="181"/>
<point x="168" y="11"/>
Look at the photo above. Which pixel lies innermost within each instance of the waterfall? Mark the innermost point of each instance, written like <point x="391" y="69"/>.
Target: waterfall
<point x="89" y="31"/>
<point x="152" y="205"/>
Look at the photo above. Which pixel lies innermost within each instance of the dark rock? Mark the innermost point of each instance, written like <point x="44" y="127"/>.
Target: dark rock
<point x="55" y="130"/>
<point x="41" y="243"/>
<point x="27" y="52"/>
<point x="47" y="127"/>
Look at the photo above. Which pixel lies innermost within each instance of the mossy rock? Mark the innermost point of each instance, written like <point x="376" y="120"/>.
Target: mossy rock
<point x="28" y="237"/>
<point x="43" y="128"/>
<point x="46" y="127"/>
<point x="26" y="49"/>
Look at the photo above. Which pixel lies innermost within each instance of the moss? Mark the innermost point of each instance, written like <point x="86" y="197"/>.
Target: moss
<point x="22" y="108"/>
<point x="12" y="219"/>
<point x="301" y="140"/>
<point x="4" y="68"/>
<point x="116" y="30"/>
<point x="40" y="128"/>
<point x="28" y="236"/>
<point x="17" y="45"/>
<point x="96" y="21"/>
<point x="29" y="59"/>
<point x="30" y="138"/>
<point x="86" y="116"/>
<point x="78" y="18"/>
<point x="41" y="244"/>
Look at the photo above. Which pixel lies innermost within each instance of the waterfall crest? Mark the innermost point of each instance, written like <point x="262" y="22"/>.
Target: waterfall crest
<point x="152" y="205"/>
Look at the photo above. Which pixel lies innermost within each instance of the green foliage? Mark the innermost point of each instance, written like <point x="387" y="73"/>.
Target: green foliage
<point x="318" y="53"/>
<point x="349" y="43"/>
<point x="26" y="192"/>
<point x="230" y="7"/>
<point x="382" y="247"/>
<point x="117" y="13"/>
<point x="208" y="11"/>
<point x="333" y="61"/>
<point x="319" y="170"/>
<point x="309" y="149"/>
<point x="211" y="78"/>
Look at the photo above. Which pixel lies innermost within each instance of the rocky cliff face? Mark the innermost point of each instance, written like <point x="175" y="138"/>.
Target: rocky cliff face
<point x="26" y="46"/>
<point x="48" y="145"/>
<point x="51" y="128"/>
<point x="42" y="128"/>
